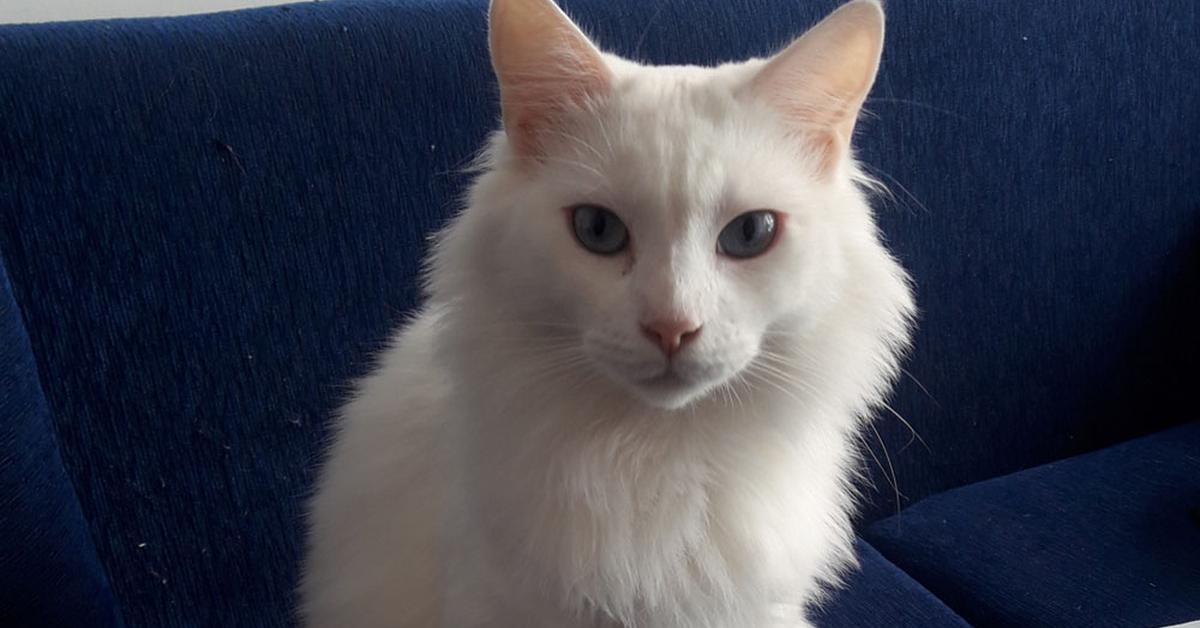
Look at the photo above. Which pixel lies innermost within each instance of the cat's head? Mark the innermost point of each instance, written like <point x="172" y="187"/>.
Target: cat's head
<point x="668" y="226"/>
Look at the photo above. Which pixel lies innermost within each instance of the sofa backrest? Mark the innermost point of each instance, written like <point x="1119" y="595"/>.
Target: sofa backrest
<point x="211" y="222"/>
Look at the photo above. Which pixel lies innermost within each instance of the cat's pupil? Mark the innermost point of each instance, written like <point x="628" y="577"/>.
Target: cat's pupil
<point x="749" y="229"/>
<point x="599" y="224"/>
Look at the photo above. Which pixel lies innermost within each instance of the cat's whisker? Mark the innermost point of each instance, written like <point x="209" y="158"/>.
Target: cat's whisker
<point x="892" y="469"/>
<point x="919" y="385"/>
<point x="725" y="394"/>
<point x="918" y="104"/>
<point x="562" y="364"/>
<point x="545" y="383"/>
<point x="776" y="385"/>
<point x="878" y="464"/>
<point x="752" y="391"/>
<point x="736" y="395"/>
<point x="914" y="435"/>
<point x="803" y="371"/>
<point x="539" y="350"/>
<point x="876" y="171"/>
<point x="784" y="375"/>
<point x="784" y="384"/>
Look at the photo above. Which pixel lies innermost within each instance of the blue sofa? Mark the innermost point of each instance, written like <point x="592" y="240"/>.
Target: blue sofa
<point x="209" y="223"/>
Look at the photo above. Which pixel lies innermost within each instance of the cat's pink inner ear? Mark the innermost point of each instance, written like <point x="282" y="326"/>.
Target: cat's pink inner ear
<point x="820" y="82"/>
<point x="544" y="64"/>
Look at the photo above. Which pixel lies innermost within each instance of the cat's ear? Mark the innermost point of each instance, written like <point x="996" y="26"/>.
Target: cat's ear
<point x="544" y="64"/>
<point x="819" y="82"/>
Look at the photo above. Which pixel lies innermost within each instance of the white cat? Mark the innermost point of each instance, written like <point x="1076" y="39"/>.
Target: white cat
<point x="633" y="393"/>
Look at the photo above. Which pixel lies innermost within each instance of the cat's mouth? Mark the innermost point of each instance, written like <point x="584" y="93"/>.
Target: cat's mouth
<point x="667" y="380"/>
<point x="670" y="388"/>
<point x="668" y="384"/>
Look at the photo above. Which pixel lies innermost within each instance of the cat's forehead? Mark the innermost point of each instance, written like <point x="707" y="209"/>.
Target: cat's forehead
<point x="669" y="139"/>
<point x="683" y="94"/>
<point x="644" y="80"/>
<point x="664" y="162"/>
<point x="678" y="146"/>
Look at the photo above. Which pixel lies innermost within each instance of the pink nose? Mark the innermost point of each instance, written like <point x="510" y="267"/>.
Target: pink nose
<point x="670" y="334"/>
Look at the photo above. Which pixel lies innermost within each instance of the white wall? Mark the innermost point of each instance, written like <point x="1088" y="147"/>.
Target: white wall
<point x="58" y="10"/>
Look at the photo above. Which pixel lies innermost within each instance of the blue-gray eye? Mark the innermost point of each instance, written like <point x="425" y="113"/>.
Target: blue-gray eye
<point x="599" y="230"/>
<point x="748" y="235"/>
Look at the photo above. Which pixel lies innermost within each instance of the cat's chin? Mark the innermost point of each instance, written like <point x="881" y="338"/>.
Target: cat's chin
<point x="670" y="391"/>
<point x="671" y="387"/>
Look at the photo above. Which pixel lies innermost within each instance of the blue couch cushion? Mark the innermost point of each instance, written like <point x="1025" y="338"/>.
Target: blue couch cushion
<point x="1111" y="538"/>
<point x="50" y="576"/>
<point x="879" y="595"/>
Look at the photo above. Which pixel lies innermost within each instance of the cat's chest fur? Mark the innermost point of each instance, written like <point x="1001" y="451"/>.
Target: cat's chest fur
<point x="722" y="515"/>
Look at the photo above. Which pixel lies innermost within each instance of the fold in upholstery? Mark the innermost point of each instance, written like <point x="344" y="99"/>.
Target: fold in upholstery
<point x="50" y="576"/>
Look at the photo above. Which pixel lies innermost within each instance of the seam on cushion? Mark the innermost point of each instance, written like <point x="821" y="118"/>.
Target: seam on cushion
<point x="917" y="583"/>
<point x="52" y="427"/>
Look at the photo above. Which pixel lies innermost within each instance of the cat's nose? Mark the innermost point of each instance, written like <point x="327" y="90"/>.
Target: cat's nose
<point x="670" y="334"/>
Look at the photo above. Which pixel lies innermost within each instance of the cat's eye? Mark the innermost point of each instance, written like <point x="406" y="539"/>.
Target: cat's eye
<point x="748" y="235"/>
<point x="599" y="230"/>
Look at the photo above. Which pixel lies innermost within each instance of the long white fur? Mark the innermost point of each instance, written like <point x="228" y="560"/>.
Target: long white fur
<point x="505" y="467"/>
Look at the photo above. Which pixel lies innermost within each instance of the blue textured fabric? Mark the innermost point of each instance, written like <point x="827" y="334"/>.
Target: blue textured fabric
<point x="1106" y="539"/>
<point x="879" y="595"/>
<point x="211" y="222"/>
<point x="50" y="576"/>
